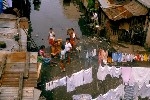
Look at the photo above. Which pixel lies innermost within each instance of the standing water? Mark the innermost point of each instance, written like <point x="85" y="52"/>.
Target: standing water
<point x="56" y="14"/>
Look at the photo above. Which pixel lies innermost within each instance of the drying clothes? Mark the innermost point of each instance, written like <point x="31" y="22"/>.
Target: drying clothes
<point x="46" y="86"/>
<point x="115" y="72"/>
<point x="142" y="57"/>
<point x="82" y="97"/>
<point x="78" y="78"/>
<point x="128" y="57"/>
<point x="94" y="52"/>
<point x="103" y="71"/>
<point x="87" y="55"/>
<point x="140" y="75"/>
<point x="63" y="81"/>
<point x="119" y="57"/>
<point x="9" y="2"/>
<point x="126" y="73"/>
<point x="87" y="76"/>
<point x="129" y="92"/>
<point x="114" y="57"/>
<point x="119" y="92"/>
<point x="55" y="84"/>
<point x="124" y="57"/>
<point x="109" y="60"/>
<point x="70" y="84"/>
<point x="131" y="57"/>
<point x="138" y="57"/>
<point x="50" y="85"/>
<point x="5" y="4"/>
<point x="100" y="97"/>
<point x="142" y="90"/>
<point x="146" y="92"/>
<point x="110" y="95"/>
<point x="136" y="90"/>
<point x="145" y="57"/>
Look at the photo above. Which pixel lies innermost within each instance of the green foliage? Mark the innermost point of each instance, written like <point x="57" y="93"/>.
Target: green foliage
<point x="2" y="44"/>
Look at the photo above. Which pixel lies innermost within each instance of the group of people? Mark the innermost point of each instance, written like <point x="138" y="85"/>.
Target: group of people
<point x="58" y="49"/>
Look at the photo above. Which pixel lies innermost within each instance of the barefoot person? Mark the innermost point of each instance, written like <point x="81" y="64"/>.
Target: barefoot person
<point x="62" y="58"/>
<point x="73" y="37"/>
<point x="51" y="37"/>
<point x="68" y="48"/>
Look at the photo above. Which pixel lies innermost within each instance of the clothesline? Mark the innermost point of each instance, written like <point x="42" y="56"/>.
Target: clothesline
<point x="77" y="79"/>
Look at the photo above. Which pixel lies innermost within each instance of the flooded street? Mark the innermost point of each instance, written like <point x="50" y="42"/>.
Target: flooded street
<point x="55" y="14"/>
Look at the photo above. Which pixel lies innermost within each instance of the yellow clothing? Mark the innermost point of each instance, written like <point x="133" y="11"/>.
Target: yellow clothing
<point x="145" y="57"/>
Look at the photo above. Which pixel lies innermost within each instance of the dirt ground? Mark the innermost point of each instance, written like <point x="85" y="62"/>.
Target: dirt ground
<point x="79" y="62"/>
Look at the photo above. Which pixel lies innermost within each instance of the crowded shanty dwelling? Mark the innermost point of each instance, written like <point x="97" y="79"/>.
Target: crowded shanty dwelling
<point x="123" y="21"/>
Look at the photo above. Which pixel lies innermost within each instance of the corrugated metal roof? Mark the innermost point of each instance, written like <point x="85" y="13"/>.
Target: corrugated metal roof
<point x="145" y="2"/>
<point x="117" y="12"/>
<point x="136" y="8"/>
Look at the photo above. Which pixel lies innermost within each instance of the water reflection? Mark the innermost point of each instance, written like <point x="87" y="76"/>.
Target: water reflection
<point x="37" y="4"/>
<point x="53" y="14"/>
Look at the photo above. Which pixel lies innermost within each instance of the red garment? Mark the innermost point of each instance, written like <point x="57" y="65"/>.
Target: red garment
<point x="51" y="42"/>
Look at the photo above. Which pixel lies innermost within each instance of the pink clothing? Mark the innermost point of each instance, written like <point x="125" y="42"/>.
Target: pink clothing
<point x="126" y="73"/>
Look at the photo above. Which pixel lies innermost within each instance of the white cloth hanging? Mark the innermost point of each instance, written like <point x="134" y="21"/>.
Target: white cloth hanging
<point x="78" y="78"/>
<point x="115" y="72"/>
<point x="87" y="76"/>
<point x="82" y="97"/>
<point x="63" y="81"/>
<point x="126" y="74"/>
<point x="70" y="84"/>
<point x="87" y="55"/>
<point x="94" y="52"/>
<point x="140" y="75"/>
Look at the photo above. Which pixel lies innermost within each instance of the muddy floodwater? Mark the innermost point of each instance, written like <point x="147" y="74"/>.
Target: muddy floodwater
<point x="56" y="14"/>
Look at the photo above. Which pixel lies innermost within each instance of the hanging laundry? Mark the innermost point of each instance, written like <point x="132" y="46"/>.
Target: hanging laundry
<point x="115" y="72"/>
<point x="103" y="71"/>
<point x="142" y="57"/>
<point x="146" y="92"/>
<point x="55" y="84"/>
<point x="145" y="57"/>
<point x="87" y="76"/>
<point x="94" y="52"/>
<point x="119" y="57"/>
<point x="50" y="85"/>
<point x="126" y="74"/>
<point x="128" y="57"/>
<point x="63" y="81"/>
<point x="1" y="6"/>
<point x="124" y="57"/>
<point x="82" y="97"/>
<point x="129" y="92"/>
<point x="105" y="55"/>
<point x="131" y="57"/>
<point x="136" y="90"/>
<point x="119" y="92"/>
<point x="110" y="95"/>
<point x="100" y="97"/>
<point x="114" y="57"/>
<point x="142" y="90"/>
<point x="78" y="78"/>
<point x="5" y="5"/>
<point x="140" y="75"/>
<point x="9" y="2"/>
<point x="70" y="84"/>
<point x="46" y="86"/>
<point x="87" y="55"/>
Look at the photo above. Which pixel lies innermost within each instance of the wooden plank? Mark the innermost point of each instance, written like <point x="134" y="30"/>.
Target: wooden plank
<point x="27" y="65"/>
<point x="20" y="90"/>
<point x="2" y="65"/>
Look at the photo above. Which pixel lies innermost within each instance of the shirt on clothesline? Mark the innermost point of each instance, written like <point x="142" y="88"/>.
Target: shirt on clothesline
<point x="82" y="97"/>
<point x="78" y="78"/>
<point x="129" y="92"/>
<point x="87" y="76"/>
<point x="70" y="84"/>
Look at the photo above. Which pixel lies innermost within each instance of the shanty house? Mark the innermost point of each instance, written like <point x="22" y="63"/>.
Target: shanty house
<point x="123" y="21"/>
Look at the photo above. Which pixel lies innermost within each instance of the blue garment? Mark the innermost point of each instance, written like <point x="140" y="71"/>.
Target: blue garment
<point x="1" y="6"/>
<point x="46" y="60"/>
<point x="114" y="56"/>
<point x="119" y="57"/>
